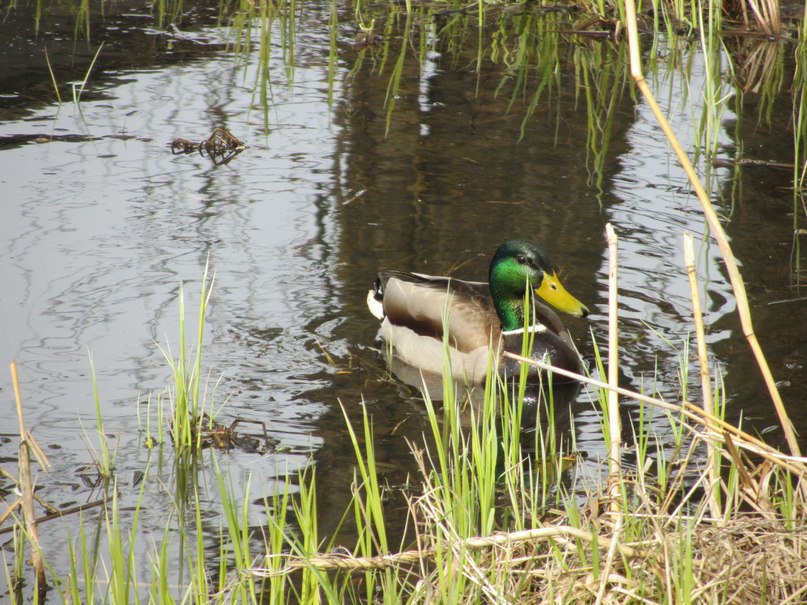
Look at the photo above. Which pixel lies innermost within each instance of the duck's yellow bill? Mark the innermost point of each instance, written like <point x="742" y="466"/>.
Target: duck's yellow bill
<point x="553" y="292"/>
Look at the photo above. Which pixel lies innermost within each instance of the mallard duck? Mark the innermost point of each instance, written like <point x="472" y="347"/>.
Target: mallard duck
<point x="479" y="315"/>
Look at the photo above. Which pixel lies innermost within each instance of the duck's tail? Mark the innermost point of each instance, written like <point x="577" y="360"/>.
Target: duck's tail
<point x="375" y="300"/>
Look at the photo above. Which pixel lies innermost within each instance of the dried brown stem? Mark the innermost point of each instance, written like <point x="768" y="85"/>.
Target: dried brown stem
<point x="348" y="562"/>
<point x="26" y="487"/>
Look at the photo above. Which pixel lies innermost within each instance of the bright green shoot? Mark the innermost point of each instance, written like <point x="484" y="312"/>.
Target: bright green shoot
<point x="78" y="87"/>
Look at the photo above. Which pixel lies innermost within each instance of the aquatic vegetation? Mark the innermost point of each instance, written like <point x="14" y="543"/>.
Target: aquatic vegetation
<point x="78" y="87"/>
<point x="189" y="412"/>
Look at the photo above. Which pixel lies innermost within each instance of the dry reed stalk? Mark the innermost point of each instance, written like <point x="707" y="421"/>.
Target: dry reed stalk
<point x="716" y="228"/>
<point x="614" y="424"/>
<point x="703" y="360"/>
<point x="706" y="381"/>
<point x="746" y="21"/>
<point x="27" y="489"/>
<point x="348" y="562"/>
<point x="717" y="427"/>
<point x="766" y="14"/>
<point x="8" y="512"/>
<point x="605" y="574"/>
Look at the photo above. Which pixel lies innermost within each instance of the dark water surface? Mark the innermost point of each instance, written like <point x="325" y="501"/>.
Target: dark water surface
<point x="101" y="224"/>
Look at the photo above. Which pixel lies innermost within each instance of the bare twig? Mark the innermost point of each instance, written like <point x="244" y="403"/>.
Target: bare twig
<point x="59" y="514"/>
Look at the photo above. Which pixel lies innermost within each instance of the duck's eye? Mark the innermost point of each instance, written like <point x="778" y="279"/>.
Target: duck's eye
<point x="521" y="259"/>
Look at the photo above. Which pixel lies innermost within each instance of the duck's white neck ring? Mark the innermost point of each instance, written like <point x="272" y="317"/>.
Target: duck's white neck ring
<point x="534" y="329"/>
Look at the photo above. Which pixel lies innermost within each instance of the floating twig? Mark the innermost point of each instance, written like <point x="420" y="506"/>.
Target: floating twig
<point x="358" y="194"/>
<point x="221" y="146"/>
<point x="726" y="163"/>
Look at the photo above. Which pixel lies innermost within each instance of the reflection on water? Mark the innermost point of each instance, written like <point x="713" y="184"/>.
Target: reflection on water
<point x="102" y="224"/>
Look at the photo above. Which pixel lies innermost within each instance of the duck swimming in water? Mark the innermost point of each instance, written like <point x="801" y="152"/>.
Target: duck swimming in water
<point x="480" y="316"/>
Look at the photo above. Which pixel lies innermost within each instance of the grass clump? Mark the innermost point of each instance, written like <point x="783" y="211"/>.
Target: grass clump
<point x="485" y="532"/>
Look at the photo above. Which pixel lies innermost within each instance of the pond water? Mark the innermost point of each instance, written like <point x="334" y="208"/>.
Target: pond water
<point x="102" y="226"/>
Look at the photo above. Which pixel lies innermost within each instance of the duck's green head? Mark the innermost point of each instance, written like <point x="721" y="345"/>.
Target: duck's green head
<point x="518" y="264"/>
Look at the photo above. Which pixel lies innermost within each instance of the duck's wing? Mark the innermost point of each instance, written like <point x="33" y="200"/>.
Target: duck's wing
<point x="548" y="347"/>
<point x="419" y="302"/>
